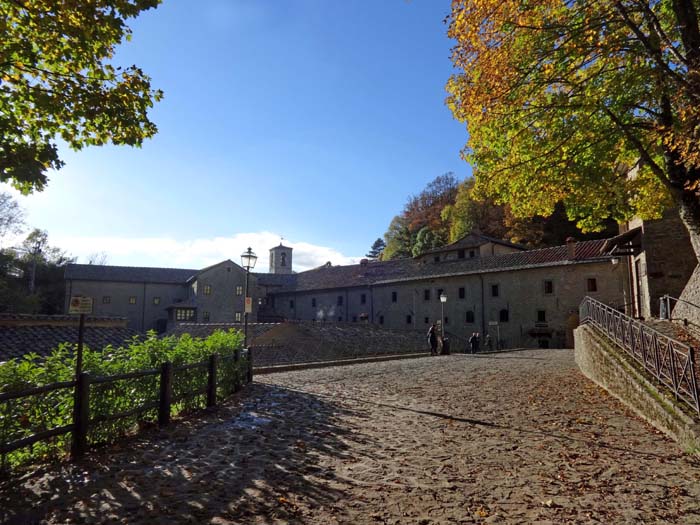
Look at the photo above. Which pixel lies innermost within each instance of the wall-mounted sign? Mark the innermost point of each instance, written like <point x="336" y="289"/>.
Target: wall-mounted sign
<point x="80" y="305"/>
<point x="249" y="305"/>
<point x="493" y="323"/>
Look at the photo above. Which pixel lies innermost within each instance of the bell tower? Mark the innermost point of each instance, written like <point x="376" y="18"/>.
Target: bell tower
<point x="281" y="259"/>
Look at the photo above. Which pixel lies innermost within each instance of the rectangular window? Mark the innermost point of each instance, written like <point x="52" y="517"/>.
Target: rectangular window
<point x="426" y="295"/>
<point x="205" y="317"/>
<point x="409" y="319"/>
<point x="591" y="285"/>
<point x="156" y="300"/>
<point x="447" y="320"/>
<point x="472" y="254"/>
<point x="207" y="289"/>
<point x="393" y="297"/>
<point x="427" y="320"/>
<point x="291" y="304"/>
<point x="132" y="299"/>
<point x="239" y="290"/>
<point x="238" y="316"/>
<point x="313" y="302"/>
<point x="460" y="254"/>
<point x="494" y="290"/>
<point x="548" y="287"/>
<point x="541" y="316"/>
<point x="462" y="293"/>
<point x="381" y="319"/>
<point x="503" y="316"/>
<point x="340" y="300"/>
<point x="439" y="293"/>
<point x="469" y="318"/>
<point x="363" y="299"/>
<point x="106" y="299"/>
<point x="184" y="314"/>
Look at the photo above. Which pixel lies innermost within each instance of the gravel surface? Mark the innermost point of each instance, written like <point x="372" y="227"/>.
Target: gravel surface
<point x="517" y="437"/>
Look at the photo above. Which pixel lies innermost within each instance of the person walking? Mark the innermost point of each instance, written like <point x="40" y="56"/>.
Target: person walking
<point x="472" y="343"/>
<point x="488" y="342"/>
<point x="433" y="339"/>
<point x="478" y="341"/>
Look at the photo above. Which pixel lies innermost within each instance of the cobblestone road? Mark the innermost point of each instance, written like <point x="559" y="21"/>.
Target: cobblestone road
<point x="520" y="437"/>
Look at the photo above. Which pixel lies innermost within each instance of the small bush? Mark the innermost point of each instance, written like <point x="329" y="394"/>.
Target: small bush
<point x="26" y="416"/>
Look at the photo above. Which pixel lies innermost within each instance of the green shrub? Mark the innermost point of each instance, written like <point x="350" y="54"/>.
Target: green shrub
<point x="26" y="416"/>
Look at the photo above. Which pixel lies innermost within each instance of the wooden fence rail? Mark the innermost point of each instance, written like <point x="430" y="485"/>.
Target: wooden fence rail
<point x="83" y="387"/>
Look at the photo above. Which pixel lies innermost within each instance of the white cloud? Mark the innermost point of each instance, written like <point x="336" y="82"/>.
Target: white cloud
<point x="196" y="253"/>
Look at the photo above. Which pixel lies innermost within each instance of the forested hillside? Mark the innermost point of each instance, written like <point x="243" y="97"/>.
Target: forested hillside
<point x="448" y="209"/>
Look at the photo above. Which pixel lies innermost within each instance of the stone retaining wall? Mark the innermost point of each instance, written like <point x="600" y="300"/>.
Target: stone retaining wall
<point x="290" y="343"/>
<point x="605" y="364"/>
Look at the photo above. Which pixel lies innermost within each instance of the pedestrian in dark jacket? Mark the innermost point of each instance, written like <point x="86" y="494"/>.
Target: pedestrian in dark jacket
<point x="433" y="339"/>
<point x="473" y="343"/>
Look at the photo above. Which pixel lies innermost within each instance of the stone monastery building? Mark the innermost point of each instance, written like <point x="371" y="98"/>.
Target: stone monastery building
<point x="523" y="298"/>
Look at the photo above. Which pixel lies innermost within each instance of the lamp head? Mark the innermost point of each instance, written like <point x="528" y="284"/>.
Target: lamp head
<point x="248" y="259"/>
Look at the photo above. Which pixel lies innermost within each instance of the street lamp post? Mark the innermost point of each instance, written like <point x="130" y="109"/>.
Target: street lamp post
<point x="443" y="300"/>
<point x="248" y="259"/>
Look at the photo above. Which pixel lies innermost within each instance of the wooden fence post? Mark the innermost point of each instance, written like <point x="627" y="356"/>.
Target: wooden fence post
<point x="166" y="393"/>
<point x="250" y="364"/>
<point x="81" y="415"/>
<point x="237" y="376"/>
<point x="211" y="381"/>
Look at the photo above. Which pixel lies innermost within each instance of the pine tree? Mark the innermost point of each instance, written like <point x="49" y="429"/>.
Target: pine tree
<point x="377" y="248"/>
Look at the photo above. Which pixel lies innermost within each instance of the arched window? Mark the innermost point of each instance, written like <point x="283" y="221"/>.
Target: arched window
<point x="283" y="259"/>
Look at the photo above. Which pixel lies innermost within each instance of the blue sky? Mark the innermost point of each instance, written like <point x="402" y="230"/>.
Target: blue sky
<point x="307" y="119"/>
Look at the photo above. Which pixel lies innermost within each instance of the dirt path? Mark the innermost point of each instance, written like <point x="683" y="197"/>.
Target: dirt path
<point x="509" y="438"/>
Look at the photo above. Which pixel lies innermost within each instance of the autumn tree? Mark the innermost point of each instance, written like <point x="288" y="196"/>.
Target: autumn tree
<point x="561" y="99"/>
<point x="425" y="209"/>
<point x="58" y="80"/>
<point x="470" y="213"/>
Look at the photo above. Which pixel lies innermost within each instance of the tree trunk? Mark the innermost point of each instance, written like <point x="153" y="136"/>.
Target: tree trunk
<point x="689" y="211"/>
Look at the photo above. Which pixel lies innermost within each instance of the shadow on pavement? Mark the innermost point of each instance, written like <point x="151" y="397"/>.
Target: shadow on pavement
<point x="258" y="457"/>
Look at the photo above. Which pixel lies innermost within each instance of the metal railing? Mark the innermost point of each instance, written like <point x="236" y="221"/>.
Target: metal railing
<point x="670" y="362"/>
<point x="666" y="307"/>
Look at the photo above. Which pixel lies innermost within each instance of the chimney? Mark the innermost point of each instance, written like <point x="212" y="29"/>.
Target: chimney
<point x="364" y="262"/>
<point x="571" y="248"/>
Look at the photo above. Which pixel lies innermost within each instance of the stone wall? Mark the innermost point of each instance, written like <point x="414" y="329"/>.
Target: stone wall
<point x="287" y="343"/>
<point x="687" y="311"/>
<point x="605" y="364"/>
<point x="666" y="262"/>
